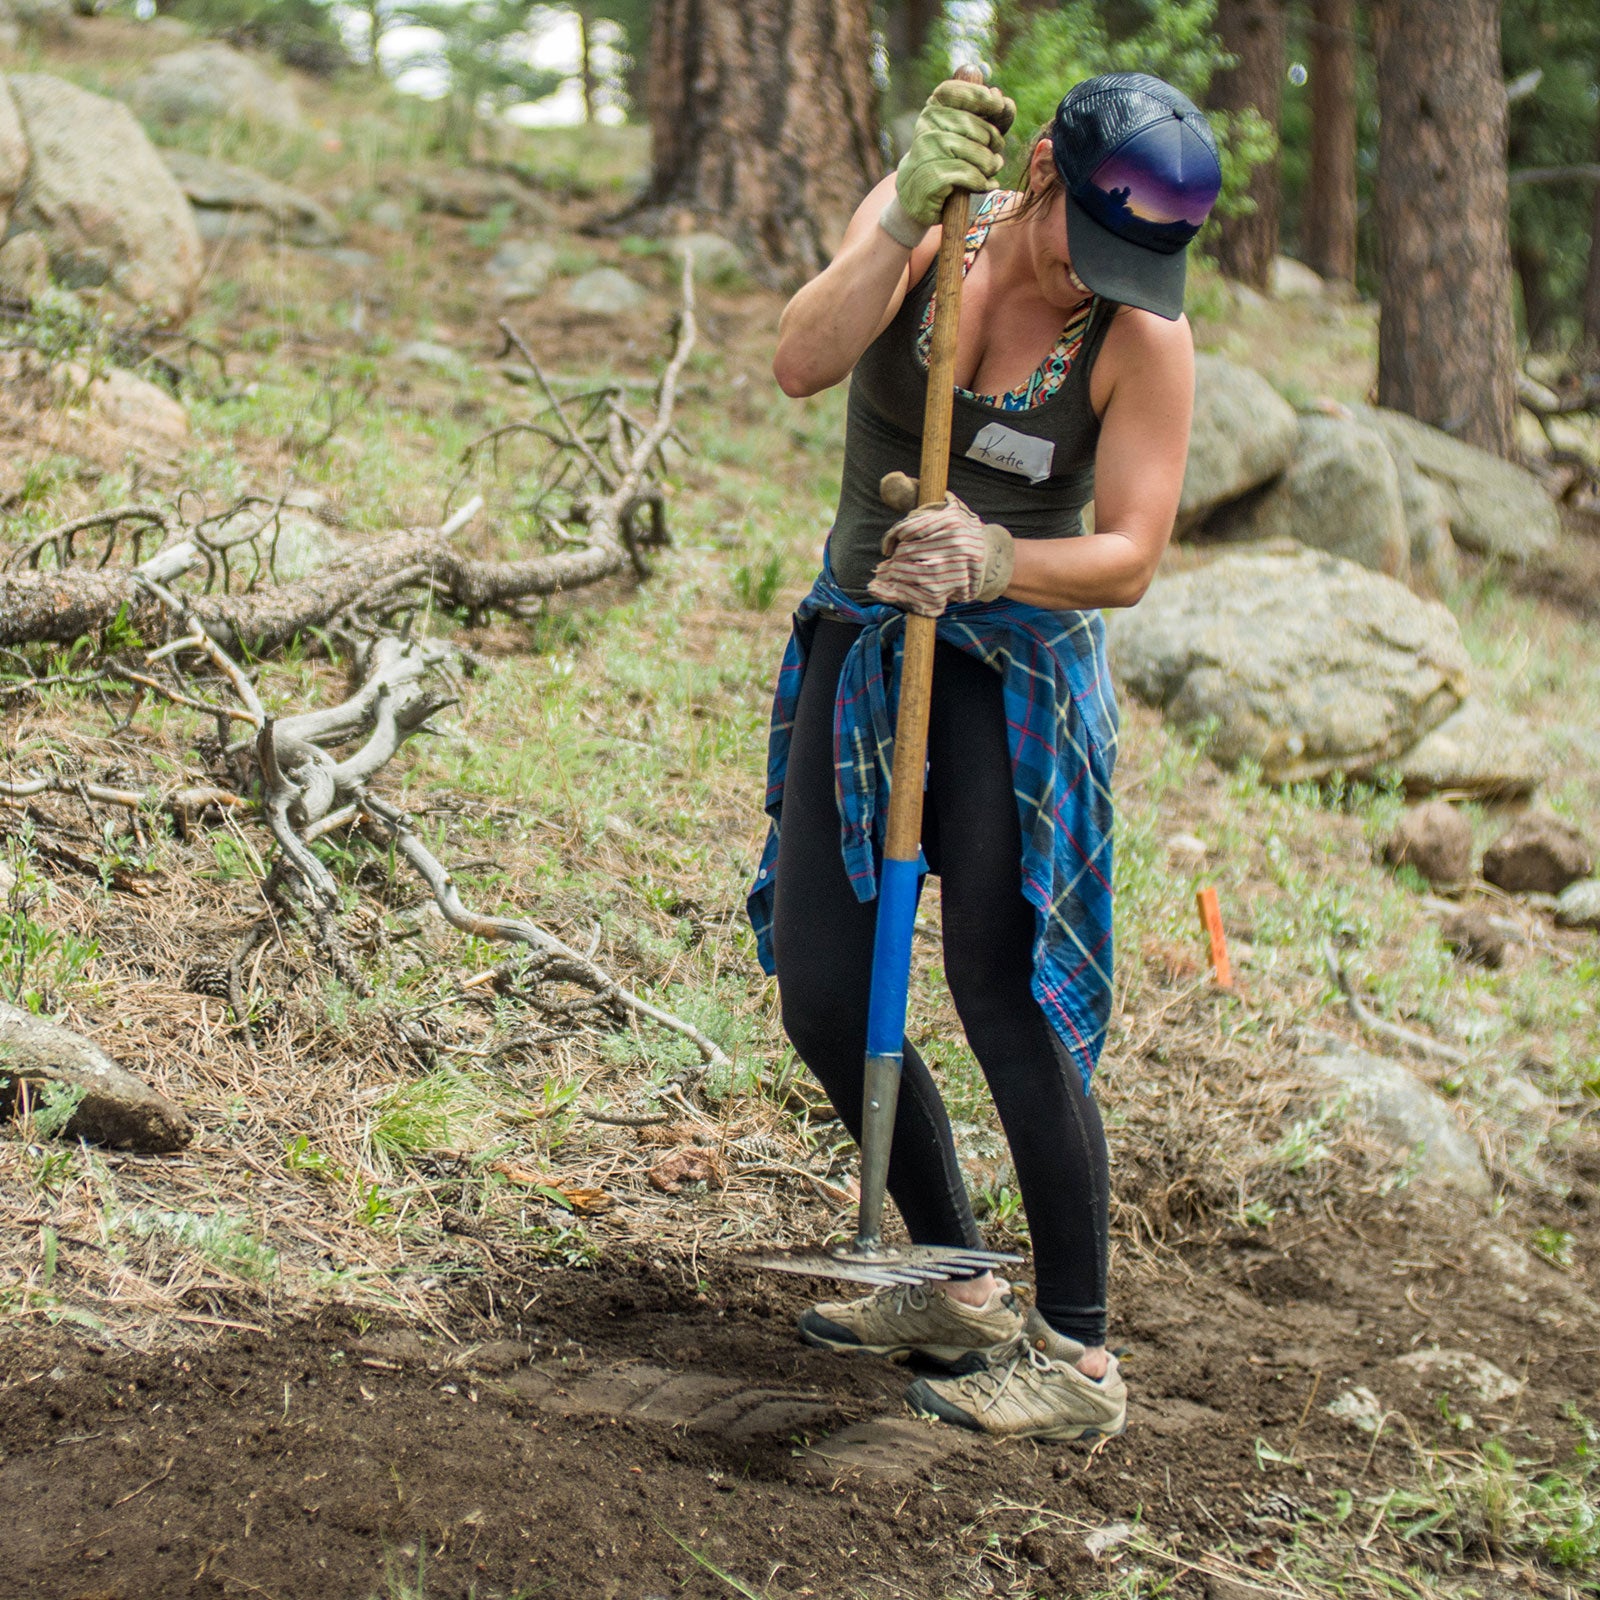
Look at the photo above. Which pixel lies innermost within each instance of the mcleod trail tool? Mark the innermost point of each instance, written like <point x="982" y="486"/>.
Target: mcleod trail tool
<point x="866" y="1258"/>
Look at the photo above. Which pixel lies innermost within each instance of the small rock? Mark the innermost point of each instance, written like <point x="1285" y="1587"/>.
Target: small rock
<point x="1538" y="852"/>
<point x="427" y="353"/>
<point x="1186" y="852"/>
<point x="1578" y="905"/>
<point x="1473" y="935"/>
<point x="716" y="260"/>
<point x="389" y="215"/>
<point x="472" y="193"/>
<point x="1360" y="1407"/>
<point x="523" y="267"/>
<point x="1409" y="1115"/>
<point x="303" y="546"/>
<point x="8" y="877"/>
<point x="606" y="292"/>
<point x="1435" y="839"/>
<point x="1461" y="1370"/>
<point x="1100" y="1540"/>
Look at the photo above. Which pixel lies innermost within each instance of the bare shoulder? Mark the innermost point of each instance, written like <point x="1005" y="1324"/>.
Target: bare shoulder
<point x="1144" y="352"/>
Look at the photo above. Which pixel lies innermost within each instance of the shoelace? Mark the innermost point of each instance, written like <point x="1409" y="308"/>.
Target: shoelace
<point x="902" y="1295"/>
<point x="998" y="1378"/>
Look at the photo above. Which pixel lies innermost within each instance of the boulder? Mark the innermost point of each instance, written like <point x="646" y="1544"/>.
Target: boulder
<point x="438" y="357"/>
<point x="1494" y="507"/>
<point x="715" y="259"/>
<point x="99" y="196"/>
<point x="1340" y="493"/>
<point x="522" y="268"/>
<point x="13" y="155"/>
<point x="1475" y="936"/>
<point x="24" y="267"/>
<point x="1579" y="905"/>
<point x="212" y="80"/>
<point x="1294" y="280"/>
<point x="1307" y="664"/>
<point x="1244" y="433"/>
<point x="471" y="193"/>
<point x="606" y="292"/>
<point x="148" y="418"/>
<point x="116" y="1108"/>
<point x="1406" y="1114"/>
<point x="237" y="203"/>
<point x="1476" y="750"/>
<point x="1436" y="840"/>
<point x="1538" y="853"/>
<point x="1435" y="566"/>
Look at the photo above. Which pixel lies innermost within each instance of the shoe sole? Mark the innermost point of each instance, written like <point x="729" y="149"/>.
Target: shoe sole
<point x="927" y="1403"/>
<point x="951" y="1359"/>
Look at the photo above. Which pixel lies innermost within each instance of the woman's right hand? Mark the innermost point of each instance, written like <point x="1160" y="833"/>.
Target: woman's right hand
<point x="957" y="144"/>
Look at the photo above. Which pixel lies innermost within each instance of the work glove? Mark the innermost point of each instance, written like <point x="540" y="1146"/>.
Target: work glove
<point x="957" y="144"/>
<point x="936" y="556"/>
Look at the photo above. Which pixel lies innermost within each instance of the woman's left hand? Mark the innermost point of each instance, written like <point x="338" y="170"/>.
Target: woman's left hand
<point x="941" y="555"/>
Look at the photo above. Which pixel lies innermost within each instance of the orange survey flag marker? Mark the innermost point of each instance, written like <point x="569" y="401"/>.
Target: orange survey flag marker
<point x="1216" y="939"/>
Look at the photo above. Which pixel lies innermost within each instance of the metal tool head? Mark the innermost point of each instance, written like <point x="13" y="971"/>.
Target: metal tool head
<point x="883" y="1265"/>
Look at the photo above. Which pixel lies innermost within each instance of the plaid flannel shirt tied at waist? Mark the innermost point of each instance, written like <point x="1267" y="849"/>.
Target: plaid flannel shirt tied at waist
<point x="1061" y="726"/>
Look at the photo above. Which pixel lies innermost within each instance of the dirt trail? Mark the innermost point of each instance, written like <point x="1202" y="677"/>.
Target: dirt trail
<point x="620" y="1434"/>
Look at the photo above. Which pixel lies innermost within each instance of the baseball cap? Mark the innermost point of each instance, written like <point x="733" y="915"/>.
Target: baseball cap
<point x="1140" y="168"/>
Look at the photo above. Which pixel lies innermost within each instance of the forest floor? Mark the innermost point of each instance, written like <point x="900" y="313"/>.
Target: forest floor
<point x="404" y="1328"/>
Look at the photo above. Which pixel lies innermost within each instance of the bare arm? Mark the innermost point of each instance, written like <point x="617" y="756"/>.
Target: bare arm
<point x="1144" y="442"/>
<point x="829" y="323"/>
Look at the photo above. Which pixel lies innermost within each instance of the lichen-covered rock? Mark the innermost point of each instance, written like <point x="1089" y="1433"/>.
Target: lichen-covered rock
<point x="1305" y="663"/>
<point x="1403" y="1111"/>
<point x="1538" y="854"/>
<point x="1243" y="435"/>
<point x="13" y="155"/>
<point x="213" y="80"/>
<point x="606" y="292"/>
<point x="106" y="207"/>
<point x="1339" y="493"/>
<point x="116" y="1108"/>
<point x="1494" y="507"/>
<point x="1579" y="905"/>
<point x="236" y="202"/>
<point x="1478" y="750"/>
<point x="1436" y="840"/>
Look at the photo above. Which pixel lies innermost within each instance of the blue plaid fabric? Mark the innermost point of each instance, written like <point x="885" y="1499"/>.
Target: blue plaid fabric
<point x="1061" y="722"/>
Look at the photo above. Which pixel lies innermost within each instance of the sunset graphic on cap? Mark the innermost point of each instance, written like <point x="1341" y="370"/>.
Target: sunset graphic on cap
<point x="1145" y="179"/>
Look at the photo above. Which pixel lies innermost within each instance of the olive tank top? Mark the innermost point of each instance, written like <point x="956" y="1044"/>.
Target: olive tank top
<point x="1030" y="470"/>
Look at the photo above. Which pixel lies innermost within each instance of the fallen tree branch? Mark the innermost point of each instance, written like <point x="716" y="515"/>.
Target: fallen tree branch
<point x="397" y="827"/>
<point x="1387" y="1030"/>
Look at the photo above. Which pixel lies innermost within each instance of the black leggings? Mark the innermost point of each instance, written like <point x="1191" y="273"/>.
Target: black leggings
<point x="823" y="944"/>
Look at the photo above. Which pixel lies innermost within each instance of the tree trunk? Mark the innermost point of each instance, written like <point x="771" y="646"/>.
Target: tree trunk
<point x="1591" y="288"/>
<point x="1446" y="343"/>
<point x="586" y="76"/>
<point x="762" y="122"/>
<point x="1330" y="225"/>
<point x="1256" y="31"/>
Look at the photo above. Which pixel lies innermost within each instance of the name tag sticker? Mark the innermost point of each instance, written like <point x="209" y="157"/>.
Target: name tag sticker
<point x="1010" y="451"/>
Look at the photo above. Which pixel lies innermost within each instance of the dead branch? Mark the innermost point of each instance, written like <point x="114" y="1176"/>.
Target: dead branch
<point x="397" y="826"/>
<point x="1387" y="1030"/>
<point x="59" y="606"/>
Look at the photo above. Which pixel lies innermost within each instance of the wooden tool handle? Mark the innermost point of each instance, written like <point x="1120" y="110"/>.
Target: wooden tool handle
<point x="903" y="837"/>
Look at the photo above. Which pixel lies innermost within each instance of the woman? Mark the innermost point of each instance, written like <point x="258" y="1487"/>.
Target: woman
<point x="1075" y="369"/>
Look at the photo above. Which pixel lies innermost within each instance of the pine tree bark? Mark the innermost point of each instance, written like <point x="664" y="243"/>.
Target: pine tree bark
<point x="1330" y="222"/>
<point x="1446" y="339"/>
<point x="1256" y="31"/>
<point x="762" y="123"/>
<point x="1591" y="287"/>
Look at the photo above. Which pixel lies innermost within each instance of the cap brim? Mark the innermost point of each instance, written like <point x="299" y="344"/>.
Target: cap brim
<point x="1122" y="271"/>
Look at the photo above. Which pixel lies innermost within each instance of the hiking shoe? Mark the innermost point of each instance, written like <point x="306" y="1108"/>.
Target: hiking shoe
<point x="915" y="1320"/>
<point x="1032" y="1389"/>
